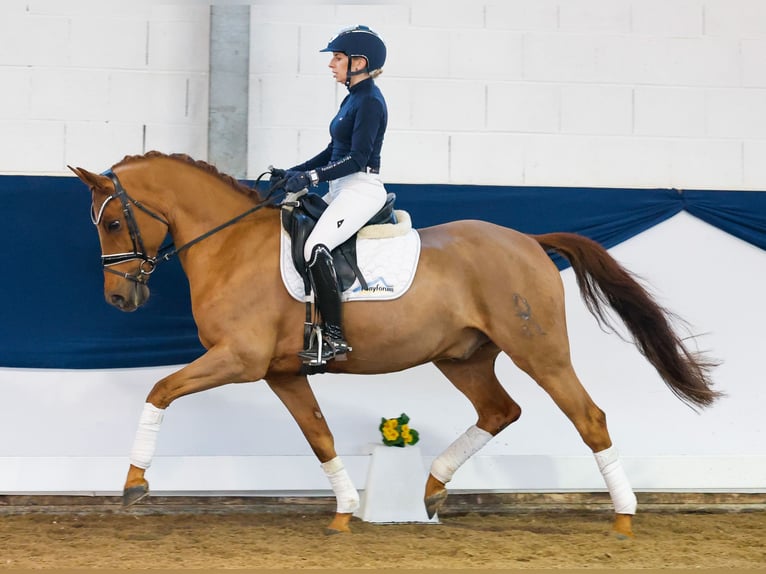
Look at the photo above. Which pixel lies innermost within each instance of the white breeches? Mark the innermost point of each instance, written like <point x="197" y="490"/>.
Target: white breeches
<point x="352" y="200"/>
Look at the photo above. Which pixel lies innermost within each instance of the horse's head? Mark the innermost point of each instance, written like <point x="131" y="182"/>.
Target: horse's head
<point x="130" y="234"/>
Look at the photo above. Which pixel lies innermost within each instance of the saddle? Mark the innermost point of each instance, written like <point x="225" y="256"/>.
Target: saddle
<point x="299" y="216"/>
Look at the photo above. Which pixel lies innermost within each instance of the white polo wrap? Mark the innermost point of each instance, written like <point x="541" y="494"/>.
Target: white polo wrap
<point x="466" y="445"/>
<point x="145" y="442"/>
<point x="346" y="495"/>
<point x="617" y="484"/>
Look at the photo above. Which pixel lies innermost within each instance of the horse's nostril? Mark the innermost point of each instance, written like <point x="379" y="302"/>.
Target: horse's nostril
<point x="117" y="300"/>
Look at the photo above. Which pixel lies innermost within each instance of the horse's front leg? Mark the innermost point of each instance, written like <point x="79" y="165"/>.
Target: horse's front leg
<point x="215" y="368"/>
<point x="296" y="394"/>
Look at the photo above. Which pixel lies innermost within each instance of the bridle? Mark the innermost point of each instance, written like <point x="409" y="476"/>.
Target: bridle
<point x="148" y="263"/>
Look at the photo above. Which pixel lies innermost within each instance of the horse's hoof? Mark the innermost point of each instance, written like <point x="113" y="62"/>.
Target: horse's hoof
<point x="134" y="494"/>
<point x="339" y="524"/>
<point x="434" y="502"/>
<point x="332" y="531"/>
<point x="622" y="529"/>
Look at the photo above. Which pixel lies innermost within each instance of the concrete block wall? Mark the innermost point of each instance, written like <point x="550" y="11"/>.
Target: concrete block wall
<point x="624" y="93"/>
<point x="86" y="83"/>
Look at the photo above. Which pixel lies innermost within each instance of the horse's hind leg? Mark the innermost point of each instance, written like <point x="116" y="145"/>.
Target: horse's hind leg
<point x="564" y="387"/>
<point x="475" y="378"/>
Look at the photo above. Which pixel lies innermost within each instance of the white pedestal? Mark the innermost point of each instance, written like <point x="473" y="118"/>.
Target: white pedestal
<point x="396" y="481"/>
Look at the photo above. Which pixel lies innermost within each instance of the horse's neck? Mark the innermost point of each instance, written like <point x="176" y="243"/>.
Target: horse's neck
<point x="202" y="205"/>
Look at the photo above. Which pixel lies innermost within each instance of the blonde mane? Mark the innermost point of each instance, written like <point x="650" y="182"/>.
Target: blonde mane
<point x="204" y="166"/>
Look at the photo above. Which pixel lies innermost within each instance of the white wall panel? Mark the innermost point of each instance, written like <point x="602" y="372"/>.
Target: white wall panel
<point x="596" y="161"/>
<point x="576" y="61"/>
<point x="179" y="45"/>
<point x="31" y="40"/>
<point x="705" y="164"/>
<point x="516" y="107"/>
<point x="588" y="109"/>
<point x="669" y="111"/>
<point x="31" y="146"/>
<point x="274" y="47"/>
<point x="180" y="138"/>
<point x="418" y="53"/>
<point x="158" y="97"/>
<point x="108" y="42"/>
<point x="470" y="154"/>
<point x="383" y="14"/>
<point x="754" y="165"/>
<point x="555" y="57"/>
<point x="522" y="15"/>
<point x="599" y="16"/>
<point x="101" y="72"/>
<point x="15" y="95"/>
<point x="736" y="113"/>
<point x="279" y="147"/>
<point x="447" y="106"/>
<point x="74" y="94"/>
<point x="400" y="102"/>
<point x="98" y="145"/>
<point x="417" y="157"/>
<point x="293" y="101"/>
<point x="753" y="70"/>
<point x="735" y="18"/>
<point x="484" y="54"/>
<point x="679" y="18"/>
<point x="434" y="14"/>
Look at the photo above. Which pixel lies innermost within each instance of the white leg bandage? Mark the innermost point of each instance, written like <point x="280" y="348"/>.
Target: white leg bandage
<point x="145" y="442"/>
<point x="467" y="444"/>
<point x="609" y="464"/>
<point x="345" y="494"/>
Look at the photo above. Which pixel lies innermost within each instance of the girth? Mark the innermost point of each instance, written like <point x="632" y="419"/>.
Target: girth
<point x="299" y="220"/>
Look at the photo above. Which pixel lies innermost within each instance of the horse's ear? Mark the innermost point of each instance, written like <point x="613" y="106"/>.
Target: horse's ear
<point x="93" y="180"/>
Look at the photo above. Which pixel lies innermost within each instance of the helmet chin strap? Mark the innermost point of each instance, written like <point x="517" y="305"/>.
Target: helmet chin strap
<point x="350" y="73"/>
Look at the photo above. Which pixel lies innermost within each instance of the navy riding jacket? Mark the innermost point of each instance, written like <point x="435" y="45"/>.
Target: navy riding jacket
<point x="356" y="134"/>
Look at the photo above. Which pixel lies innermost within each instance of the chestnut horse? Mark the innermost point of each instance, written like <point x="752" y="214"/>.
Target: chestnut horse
<point x="505" y="295"/>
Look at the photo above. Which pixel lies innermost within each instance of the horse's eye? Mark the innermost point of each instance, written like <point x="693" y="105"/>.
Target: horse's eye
<point x="114" y="225"/>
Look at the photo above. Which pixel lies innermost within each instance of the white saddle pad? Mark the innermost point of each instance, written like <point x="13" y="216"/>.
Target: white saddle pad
<point x="387" y="256"/>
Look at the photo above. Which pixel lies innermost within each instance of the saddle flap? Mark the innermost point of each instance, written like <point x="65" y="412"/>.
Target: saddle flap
<point x="300" y="220"/>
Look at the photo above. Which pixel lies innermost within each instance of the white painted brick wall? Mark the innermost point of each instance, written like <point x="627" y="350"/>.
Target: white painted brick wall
<point x="631" y="93"/>
<point x="88" y="82"/>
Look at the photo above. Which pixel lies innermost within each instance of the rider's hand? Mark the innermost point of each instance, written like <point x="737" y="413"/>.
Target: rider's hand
<point x="297" y="180"/>
<point x="277" y="173"/>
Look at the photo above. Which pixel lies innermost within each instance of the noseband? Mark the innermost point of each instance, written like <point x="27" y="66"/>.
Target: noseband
<point x="148" y="263"/>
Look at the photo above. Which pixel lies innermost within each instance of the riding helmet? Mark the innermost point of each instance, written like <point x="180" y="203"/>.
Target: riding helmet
<point x="359" y="41"/>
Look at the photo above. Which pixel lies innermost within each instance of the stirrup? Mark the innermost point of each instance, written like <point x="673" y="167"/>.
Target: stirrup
<point x="322" y="348"/>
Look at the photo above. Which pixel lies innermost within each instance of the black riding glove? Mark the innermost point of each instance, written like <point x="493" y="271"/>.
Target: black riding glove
<point x="297" y="180"/>
<point x="277" y="178"/>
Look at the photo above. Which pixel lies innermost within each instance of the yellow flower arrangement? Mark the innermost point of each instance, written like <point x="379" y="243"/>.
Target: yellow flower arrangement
<point x="396" y="432"/>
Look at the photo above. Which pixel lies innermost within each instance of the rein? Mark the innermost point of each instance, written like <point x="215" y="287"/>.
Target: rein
<point x="148" y="263"/>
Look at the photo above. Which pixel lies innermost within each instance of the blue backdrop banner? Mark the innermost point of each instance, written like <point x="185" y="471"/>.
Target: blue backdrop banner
<point x="53" y="313"/>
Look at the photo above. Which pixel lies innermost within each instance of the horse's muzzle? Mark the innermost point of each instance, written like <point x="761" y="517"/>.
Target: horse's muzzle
<point x="130" y="298"/>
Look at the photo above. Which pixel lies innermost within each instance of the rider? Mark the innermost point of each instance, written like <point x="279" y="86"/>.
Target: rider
<point x="351" y="164"/>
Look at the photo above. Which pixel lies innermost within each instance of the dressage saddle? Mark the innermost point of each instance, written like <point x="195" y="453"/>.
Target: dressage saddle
<point x="301" y="219"/>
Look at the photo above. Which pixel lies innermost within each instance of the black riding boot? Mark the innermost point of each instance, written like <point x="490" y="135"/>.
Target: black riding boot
<point x="327" y="293"/>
